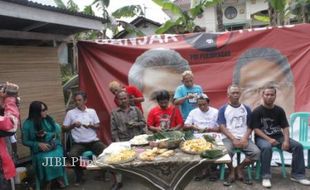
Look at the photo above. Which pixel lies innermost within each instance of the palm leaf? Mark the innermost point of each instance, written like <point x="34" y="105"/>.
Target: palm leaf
<point x="72" y="6"/>
<point x="262" y="18"/>
<point x="104" y="3"/>
<point x="166" y="5"/>
<point x="60" y="4"/>
<point x="210" y="3"/>
<point x="132" y="29"/>
<point x="128" y="11"/>
<point x="88" y="10"/>
<point x="165" y="27"/>
<point x="195" y="11"/>
<point x="279" y="6"/>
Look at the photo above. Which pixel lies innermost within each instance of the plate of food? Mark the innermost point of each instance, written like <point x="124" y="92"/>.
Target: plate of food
<point x="195" y="146"/>
<point x="120" y="157"/>
<point x="155" y="153"/>
<point x="139" y="140"/>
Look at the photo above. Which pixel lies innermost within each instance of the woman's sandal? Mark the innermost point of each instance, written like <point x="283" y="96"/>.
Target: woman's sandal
<point x="61" y="184"/>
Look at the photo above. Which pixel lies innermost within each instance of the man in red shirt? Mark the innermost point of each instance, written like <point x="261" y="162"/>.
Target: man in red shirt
<point x="135" y="95"/>
<point x="164" y="116"/>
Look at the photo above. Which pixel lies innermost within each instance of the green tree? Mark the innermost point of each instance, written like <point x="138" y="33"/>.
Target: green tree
<point x="184" y="22"/>
<point x="71" y="5"/>
<point x="301" y="8"/>
<point x="278" y="11"/>
<point x="112" y="23"/>
<point x="126" y="11"/>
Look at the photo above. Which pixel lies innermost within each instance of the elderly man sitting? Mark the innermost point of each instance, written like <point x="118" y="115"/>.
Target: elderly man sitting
<point x="126" y="121"/>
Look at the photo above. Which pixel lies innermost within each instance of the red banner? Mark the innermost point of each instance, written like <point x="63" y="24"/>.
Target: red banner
<point x="250" y="58"/>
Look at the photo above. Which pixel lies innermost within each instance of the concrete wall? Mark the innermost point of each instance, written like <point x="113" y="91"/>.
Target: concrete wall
<point x="245" y="9"/>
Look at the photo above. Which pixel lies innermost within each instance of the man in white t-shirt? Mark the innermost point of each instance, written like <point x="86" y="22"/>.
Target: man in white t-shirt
<point x="83" y="123"/>
<point x="233" y="120"/>
<point x="203" y="120"/>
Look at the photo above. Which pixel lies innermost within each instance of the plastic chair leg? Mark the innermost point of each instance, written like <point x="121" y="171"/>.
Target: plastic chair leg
<point x="37" y="183"/>
<point x="222" y="172"/>
<point x="249" y="170"/>
<point x="238" y="157"/>
<point x="258" y="170"/>
<point x="12" y="184"/>
<point x="66" y="182"/>
<point x="282" y="164"/>
<point x="308" y="158"/>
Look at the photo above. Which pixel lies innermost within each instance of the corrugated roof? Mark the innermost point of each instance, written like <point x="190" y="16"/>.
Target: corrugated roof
<point x="136" y="22"/>
<point x="55" y="9"/>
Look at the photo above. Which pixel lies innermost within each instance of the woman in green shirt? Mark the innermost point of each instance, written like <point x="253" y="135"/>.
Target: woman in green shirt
<point x="42" y="135"/>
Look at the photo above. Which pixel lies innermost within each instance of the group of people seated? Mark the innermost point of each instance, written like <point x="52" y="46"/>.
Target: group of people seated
<point x="234" y="121"/>
<point x="190" y="110"/>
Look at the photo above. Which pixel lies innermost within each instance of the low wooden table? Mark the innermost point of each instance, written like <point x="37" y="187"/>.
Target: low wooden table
<point x="167" y="173"/>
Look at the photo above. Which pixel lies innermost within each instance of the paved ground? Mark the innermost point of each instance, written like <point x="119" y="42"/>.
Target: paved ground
<point x="278" y="182"/>
<point x="94" y="181"/>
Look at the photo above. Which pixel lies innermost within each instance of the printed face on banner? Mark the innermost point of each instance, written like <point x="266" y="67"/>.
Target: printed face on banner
<point x="255" y="75"/>
<point x="155" y="80"/>
<point x="154" y="70"/>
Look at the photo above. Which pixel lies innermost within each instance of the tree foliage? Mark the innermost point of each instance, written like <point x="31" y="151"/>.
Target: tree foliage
<point x="184" y="21"/>
<point x="112" y="24"/>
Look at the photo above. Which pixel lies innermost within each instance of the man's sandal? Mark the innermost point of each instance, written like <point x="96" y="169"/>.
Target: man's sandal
<point x="228" y="182"/>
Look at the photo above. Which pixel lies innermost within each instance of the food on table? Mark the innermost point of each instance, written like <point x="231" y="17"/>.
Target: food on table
<point x="151" y="154"/>
<point x="139" y="140"/>
<point x="212" y="154"/>
<point x="167" y="139"/>
<point x="171" y="135"/>
<point x="196" y="146"/>
<point x="121" y="157"/>
<point x="167" y="153"/>
<point x="209" y="138"/>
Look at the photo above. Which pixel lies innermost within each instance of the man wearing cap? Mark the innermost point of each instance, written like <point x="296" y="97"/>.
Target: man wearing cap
<point x="186" y="94"/>
<point x="203" y="120"/>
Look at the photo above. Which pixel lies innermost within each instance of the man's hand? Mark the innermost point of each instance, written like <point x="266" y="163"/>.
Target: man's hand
<point x="285" y="145"/>
<point x="273" y="142"/>
<point x="77" y="124"/>
<point x="44" y="147"/>
<point x="244" y="143"/>
<point x="158" y="129"/>
<point x="196" y="128"/>
<point x="86" y="126"/>
<point x="208" y="130"/>
<point x="236" y="143"/>
<point x="131" y="100"/>
<point x="190" y="96"/>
